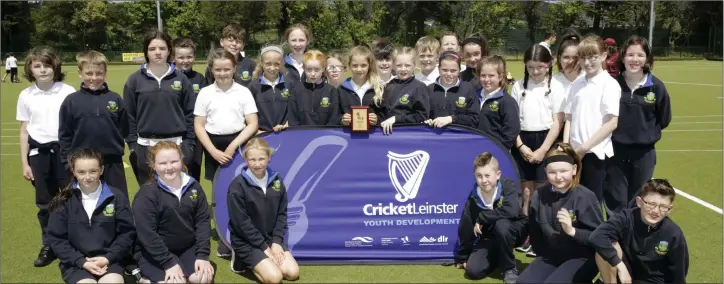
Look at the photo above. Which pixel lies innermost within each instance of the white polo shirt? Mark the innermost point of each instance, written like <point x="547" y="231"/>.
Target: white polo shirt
<point x="224" y="110"/>
<point x="561" y="79"/>
<point x="588" y="102"/>
<point x="41" y="109"/>
<point x="537" y="109"/>
<point x="90" y="200"/>
<point x="430" y="78"/>
<point x="361" y="90"/>
<point x="11" y="62"/>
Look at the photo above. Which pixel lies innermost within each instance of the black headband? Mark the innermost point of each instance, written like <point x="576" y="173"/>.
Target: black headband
<point x="559" y="158"/>
<point x="474" y="40"/>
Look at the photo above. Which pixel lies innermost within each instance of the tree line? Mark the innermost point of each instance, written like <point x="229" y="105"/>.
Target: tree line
<point x="119" y="25"/>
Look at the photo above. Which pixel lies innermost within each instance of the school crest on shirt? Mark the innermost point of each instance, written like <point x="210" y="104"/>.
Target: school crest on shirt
<point x="285" y="93"/>
<point x="194" y="194"/>
<point x="109" y="210"/>
<point x="662" y="248"/>
<point x="572" y="215"/>
<point x="277" y="186"/>
<point x="324" y="102"/>
<point x="405" y="99"/>
<point x="499" y="204"/>
<point x="494" y="106"/>
<point x="650" y="98"/>
<point x="245" y="76"/>
<point x="176" y="85"/>
<point x="460" y="102"/>
<point x="112" y="106"/>
<point x="196" y="88"/>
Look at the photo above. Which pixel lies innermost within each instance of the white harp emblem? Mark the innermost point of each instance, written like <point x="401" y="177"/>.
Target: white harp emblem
<point x="411" y="167"/>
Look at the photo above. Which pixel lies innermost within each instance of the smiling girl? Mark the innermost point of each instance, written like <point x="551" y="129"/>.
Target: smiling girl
<point x="271" y="89"/>
<point x="498" y="111"/>
<point x="645" y="107"/>
<point x="451" y="99"/>
<point x="298" y="37"/>
<point x="405" y="100"/>
<point x="334" y="71"/>
<point x="314" y="102"/>
<point x="363" y="87"/>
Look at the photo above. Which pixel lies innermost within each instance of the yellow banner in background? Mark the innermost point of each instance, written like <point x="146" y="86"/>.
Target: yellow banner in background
<point x="133" y="57"/>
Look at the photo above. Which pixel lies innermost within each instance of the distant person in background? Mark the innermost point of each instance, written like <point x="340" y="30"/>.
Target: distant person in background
<point x="549" y="40"/>
<point x="11" y="65"/>
<point x="612" y="59"/>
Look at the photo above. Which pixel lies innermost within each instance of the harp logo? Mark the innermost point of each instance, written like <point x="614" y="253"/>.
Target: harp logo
<point x="406" y="172"/>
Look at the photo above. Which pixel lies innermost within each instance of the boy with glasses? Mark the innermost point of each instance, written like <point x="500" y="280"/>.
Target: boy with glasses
<point x="642" y="244"/>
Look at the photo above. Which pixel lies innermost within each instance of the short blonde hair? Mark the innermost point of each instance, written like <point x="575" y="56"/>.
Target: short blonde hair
<point x="91" y="57"/>
<point x="427" y="44"/>
<point x="258" y="144"/>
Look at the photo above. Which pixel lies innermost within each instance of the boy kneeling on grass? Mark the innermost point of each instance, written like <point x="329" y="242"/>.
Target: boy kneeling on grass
<point x="642" y="245"/>
<point x="491" y="224"/>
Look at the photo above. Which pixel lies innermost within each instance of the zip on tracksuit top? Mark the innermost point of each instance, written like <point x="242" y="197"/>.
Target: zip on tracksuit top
<point x="499" y="117"/>
<point x="348" y="98"/>
<point x="109" y="232"/>
<point x="645" y="113"/>
<point x="314" y="104"/>
<point x="257" y="220"/>
<point x="93" y="119"/>
<point x="547" y="236"/>
<point x="406" y="100"/>
<point x="458" y="101"/>
<point x="167" y="225"/>
<point x="159" y="109"/>
<point x="653" y="254"/>
<point x="271" y="101"/>
<point x="244" y="69"/>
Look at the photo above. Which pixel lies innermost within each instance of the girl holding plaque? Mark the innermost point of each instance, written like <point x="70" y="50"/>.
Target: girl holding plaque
<point x="363" y="87"/>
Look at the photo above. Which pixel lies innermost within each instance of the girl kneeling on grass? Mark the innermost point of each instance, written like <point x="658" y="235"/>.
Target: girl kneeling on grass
<point x="91" y="224"/>
<point x="257" y="202"/>
<point x="173" y="221"/>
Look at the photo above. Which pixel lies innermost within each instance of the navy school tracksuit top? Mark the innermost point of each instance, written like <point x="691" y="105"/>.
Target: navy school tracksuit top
<point x="653" y="254"/>
<point x="109" y="232"/>
<point x="197" y="80"/>
<point x="406" y="100"/>
<point x="313" y="104"/>
<point x="459" y="102"/>
<point x="271" y="101"/>
<point x="499" y="117"/>
<point x="244" y="69"/>
<point x="162" y="109"/>
<point x="292" y="72"/>
<point x="547" y="236"/>
<point x="470" y="75"/>
<point x="257" y="220"/>
<point x="645" y="112"/>
<point x="93" y="119"/>
<point x="168" y="226"/>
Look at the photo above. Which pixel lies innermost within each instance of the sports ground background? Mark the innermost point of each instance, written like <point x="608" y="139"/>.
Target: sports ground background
<point x="689" y="155"/>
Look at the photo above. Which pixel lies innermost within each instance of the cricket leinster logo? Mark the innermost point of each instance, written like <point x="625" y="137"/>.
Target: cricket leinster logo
<point x="410" y="168"/>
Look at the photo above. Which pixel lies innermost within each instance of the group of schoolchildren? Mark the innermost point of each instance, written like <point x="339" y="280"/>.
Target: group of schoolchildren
<point x="562" y="129"/>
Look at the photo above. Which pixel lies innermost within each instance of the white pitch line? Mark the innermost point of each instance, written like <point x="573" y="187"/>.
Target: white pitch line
<point x="692" y="130"/>
<point x="697" y="200"/>
<point x="694" y="116"/>
<point x="690" y="150"/>
<point x="695" y="84"/>
<point x="692" y="122"/>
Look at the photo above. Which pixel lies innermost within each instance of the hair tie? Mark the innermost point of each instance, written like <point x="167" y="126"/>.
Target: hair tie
<point x="271" y="48"/>
<point x="451" y="54"/>
<point x="559" y="158"/>
<point x="474" y="40"/>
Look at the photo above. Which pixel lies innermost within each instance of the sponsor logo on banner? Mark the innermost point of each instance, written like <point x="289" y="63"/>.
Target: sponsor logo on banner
<point x="433" y="241"/>
<point x="411" y="167"/>
<point x="359" y="242"/>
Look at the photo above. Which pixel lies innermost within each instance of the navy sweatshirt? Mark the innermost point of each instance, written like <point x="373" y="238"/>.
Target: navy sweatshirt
<point x="166" y="226"/>
<point x="156" y="109"/>
<point x="470" y="75"/>
<point x="348" y="98"/>
<point x="257" y="220"/>
<point x="499" y="117"/>
<point x="407" y="100"/>
<point x="244" y="69"/>
<point x="271" y="101"/>
<point x="197" y="80"/>
<point x="547" y="236"/>
<point x="645" y="112"/>
<point x="653" y="254"/>
<point x="459" y="102"/>
<point x="292" y="72"/>
<point x="314" y="104"/>
<point x="109" y="232"/>
<point x="93" y="119"/>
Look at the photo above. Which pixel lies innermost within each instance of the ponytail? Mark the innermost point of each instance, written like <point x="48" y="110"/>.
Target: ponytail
<point x="62" y="196"/>
<point x="59" y="200"/>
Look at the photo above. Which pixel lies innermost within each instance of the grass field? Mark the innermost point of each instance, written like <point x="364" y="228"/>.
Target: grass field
<point x="689" y="155"/>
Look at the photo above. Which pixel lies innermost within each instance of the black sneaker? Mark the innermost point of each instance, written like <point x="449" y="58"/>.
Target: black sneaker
<point x="510" y="276"/>
<point x="45" y="257"/>
<point x="523" y="248"/>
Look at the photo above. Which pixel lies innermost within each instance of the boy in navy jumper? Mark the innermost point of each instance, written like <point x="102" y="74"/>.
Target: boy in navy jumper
<point x="232" y="40"/>
<point x="95" y="117"/>
<point x="491" y="224"/>
<point x="184" y="51"/>
<point x="91" y="224"/>
<point x="642" y="244"/>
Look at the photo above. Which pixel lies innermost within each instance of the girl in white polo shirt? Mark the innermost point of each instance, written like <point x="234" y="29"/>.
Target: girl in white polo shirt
<point x="38" y="111"/>
<point x="568" y="69"/>
<point x="225" y="113"/>
<point x="592" y="110"/>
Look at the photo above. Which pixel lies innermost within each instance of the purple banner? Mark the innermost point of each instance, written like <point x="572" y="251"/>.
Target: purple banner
<point x="371" y="197"/>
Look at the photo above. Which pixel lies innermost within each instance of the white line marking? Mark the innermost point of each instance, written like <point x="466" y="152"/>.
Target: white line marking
<point x="10" y="129"/>
<point x="687" y="116"/>
<point x="692" y="122"/>
<point x="695" y="84"/>
<point x="692" y="130"/>
<point x="697" y="200"/>
<point x="9" y="136"/>
<point x="686" y="150"/>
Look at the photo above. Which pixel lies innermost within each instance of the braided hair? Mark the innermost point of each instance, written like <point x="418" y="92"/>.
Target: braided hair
<point x="541" y="54"/>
